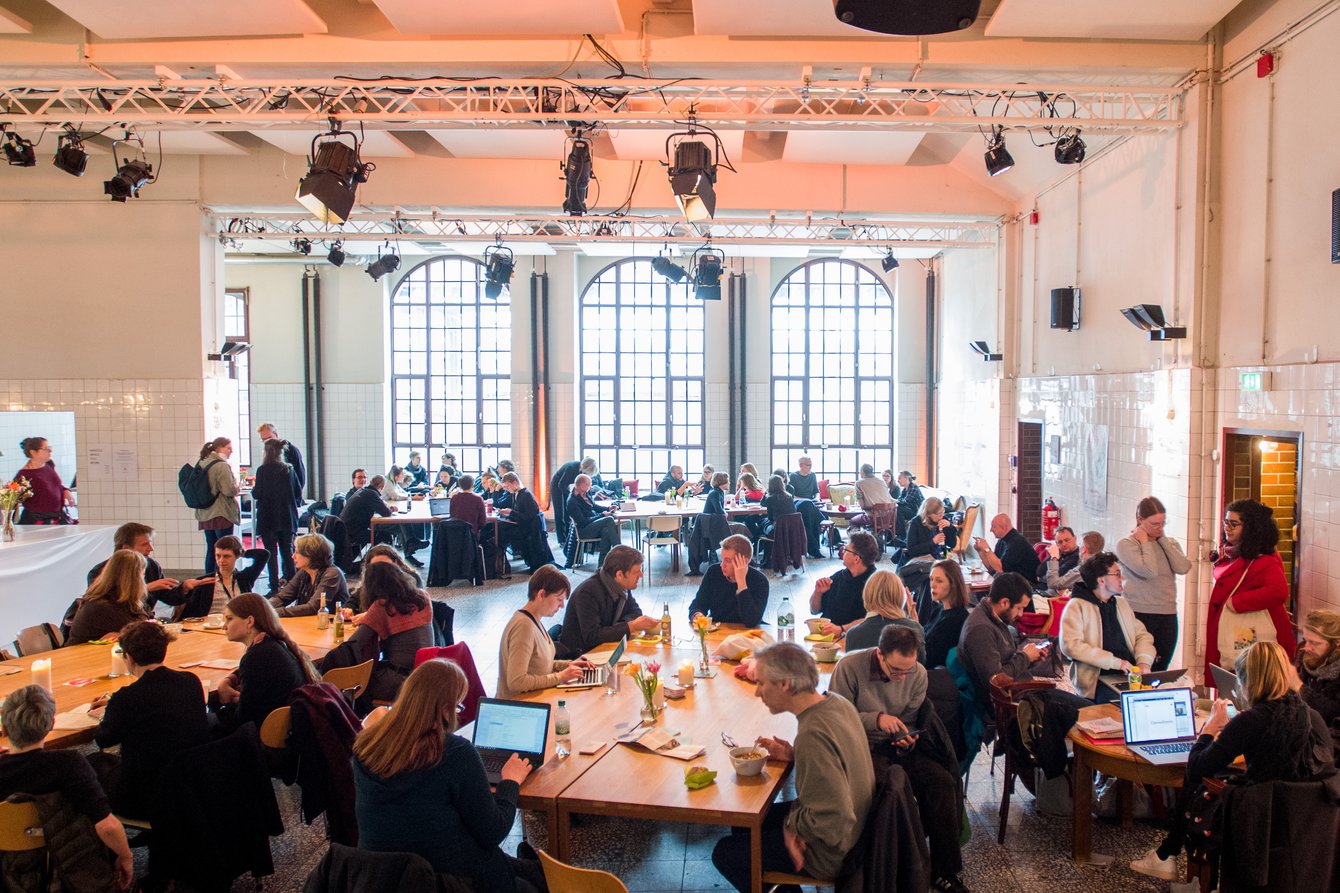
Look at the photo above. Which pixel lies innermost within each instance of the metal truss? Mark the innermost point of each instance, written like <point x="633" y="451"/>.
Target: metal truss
<point x="449" y="103"/>
<point x="446" y="228"/>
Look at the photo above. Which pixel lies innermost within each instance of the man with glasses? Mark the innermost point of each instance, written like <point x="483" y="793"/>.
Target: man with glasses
<point x="888" y="688"/>
<point x="1099" y="631"/>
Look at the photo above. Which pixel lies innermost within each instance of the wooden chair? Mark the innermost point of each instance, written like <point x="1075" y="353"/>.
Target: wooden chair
<point x="1005" y="693"/>
<point x="20" y="827"/>
<point x="37" y="639"/>
<point x="774" y="879"/>
<point x="663" y="530"/>
<point x="275" y="729"/>
<point x="965" y="531"/>
<point x="884" y="522"/>
<point x="563" y="878"/>
<point x="349" y="680"/>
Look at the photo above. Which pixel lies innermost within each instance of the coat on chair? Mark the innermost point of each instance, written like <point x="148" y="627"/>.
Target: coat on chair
<point x="455" y="554"/>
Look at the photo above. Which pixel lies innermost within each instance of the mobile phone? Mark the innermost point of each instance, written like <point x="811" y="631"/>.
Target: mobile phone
<point x="910" y="733"/>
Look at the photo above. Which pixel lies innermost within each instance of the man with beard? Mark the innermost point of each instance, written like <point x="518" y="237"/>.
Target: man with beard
<point x="1319" y="668"/>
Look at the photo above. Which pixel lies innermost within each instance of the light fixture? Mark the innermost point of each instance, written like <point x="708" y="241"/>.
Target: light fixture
<point x="1149" y="318"/>
<point x="693" y="171"/>
<point x="998" y="158"/>
<point x="889" y="263"/>
<point x="302" y="246"/>
<point x="230" y="350"/>
<point x="577" y="173"/>
<point x="333" y="177"/>
<point x="19" y="151"/>
<point x="132" y="173"/>
<point x="1070" y="148"/>
<point x="70" y="155"/>
<point x="708" y="264"/>
<point x="982" y="348"/>
<point x="498" y="266"/>
<point x="385" y="263"/>
<point x="336" y="254"/>
<point x="668" y="268"/>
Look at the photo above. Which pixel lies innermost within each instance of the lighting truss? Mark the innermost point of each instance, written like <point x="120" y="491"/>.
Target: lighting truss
<point x="444" y="103"/>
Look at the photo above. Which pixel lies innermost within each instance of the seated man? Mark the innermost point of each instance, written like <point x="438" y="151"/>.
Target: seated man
<point x="359" y="480"/>
<point x="28" y="715"/>
<point x="732" y="591"/>
<point x="1064" y="556"/>
<point x="1318" y="664"/>
<point x="840" y="599"/>
<point x="1099" y="631"/>
<point x="140" y="538"/>
<point x="591" y="522"/>
<point x="1012" y="554"/>
<point x="870" y="492"/>
<point x="417" y="470"/>
<point x="526" y="533"/>
<point x="835" y="779"/>
<point x="673" y="484"/>
<point x="888" y="688"/>
<point x="359" y="509"/>
<point x="804" y="482"/>
<point x="603" y="609"/>
<point x="987" y="646"/>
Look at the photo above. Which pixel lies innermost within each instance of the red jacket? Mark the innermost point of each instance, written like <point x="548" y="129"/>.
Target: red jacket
<point x="1263" y="588"/>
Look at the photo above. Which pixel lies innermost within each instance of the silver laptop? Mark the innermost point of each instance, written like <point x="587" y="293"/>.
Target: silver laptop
<point x="439" y="506"/>
<point x="503" y="728"/>
<point x="1118" y="682"/>
<point x="604" y="664"/>
<point x="1226" y="683"/>
<point x="1159" y="724"/>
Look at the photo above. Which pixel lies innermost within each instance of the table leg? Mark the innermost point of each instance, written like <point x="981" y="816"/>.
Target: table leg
<point x="1081" y="820"/>
<point x="1126" y="803"/>
<point x="756" y="857"/>
<point x="557" y="822"/>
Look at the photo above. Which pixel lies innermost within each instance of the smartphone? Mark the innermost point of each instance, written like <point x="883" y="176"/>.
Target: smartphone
<point x="908" y="734"/>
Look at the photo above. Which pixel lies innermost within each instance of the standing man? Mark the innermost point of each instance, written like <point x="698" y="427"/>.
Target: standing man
<point x="292" y="455"/>
<point x="804" y="482"/>
<point x="591" y="522"/>
<point x="603" y="609"/>
<point x="732" y="591"/>
<point x="835" y="779"/>
<point x="1012" y="553"/>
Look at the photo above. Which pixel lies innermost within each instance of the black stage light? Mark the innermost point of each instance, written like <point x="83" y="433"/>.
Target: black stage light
<point x="498" y="266"/>
<point x="692" y="175"/>
<point x="981" y="347"/>
<point x="20" y="151"/>
<point x="1070" y="148"/>
<point x="998" y="158"/>
<point x="332" y="179"/>
<point x="385" y="263"/>
<point x="577" y="173"/>
<point x="70" y="155"/>
<point x="336" y="254"/>
<point x="668" y="268"/>
<point x="129" y="180"/>
<point x="707" y="274"/>
<point x="889" y="263"/>
<point x="302" y="246"/>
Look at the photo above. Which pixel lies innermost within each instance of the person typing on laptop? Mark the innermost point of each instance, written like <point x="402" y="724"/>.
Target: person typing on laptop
<point x="1099" y="631"/>
<point x="526" y="652"/>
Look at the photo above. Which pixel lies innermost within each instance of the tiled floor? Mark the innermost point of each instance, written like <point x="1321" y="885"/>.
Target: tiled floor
<point x="676" y="858"/>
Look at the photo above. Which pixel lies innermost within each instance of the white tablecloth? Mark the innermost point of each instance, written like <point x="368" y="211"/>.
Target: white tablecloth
<point x="44" y="570"/>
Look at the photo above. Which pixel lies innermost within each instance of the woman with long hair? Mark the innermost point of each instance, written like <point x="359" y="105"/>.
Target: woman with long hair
<point x="315" y="575"/>
<point x="379" y="554"/>
<point x="420" y="788"/>
<point x="117" y="597"/>
<point x="526" y="653"/>
<point x="271" y="668"/>
<point x="276" y="496"/>
<point x="219" y="517"/>
<point x="49" y="496"/>
<point x="930" y="533"/>
<point x="1150" y="563"/>
<point x="1248" y="578"/>
<point x="886" y="604"/>
<point x="950" y="591"/>
<point x="397" y="623"/>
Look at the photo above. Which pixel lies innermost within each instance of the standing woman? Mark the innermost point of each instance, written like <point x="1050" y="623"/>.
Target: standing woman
<point x="50" y="496"/>
<point x="1150" y="563"/>
<point x="1248" y="578"/>
<point x="219" y="517"/>
<point x="277" y="495"/>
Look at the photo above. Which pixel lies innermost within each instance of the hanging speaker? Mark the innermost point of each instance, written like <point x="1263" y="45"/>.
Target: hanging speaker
<point x="1335" y="226"/>
<point x="908" y="16"/>
<point x="1065" y="309"/>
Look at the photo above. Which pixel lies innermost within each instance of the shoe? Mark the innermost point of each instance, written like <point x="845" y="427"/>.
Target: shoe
<point x="949" y="884"/>
<point x="1154" y="866"/>
<point x="525" y="851"/>
<point x="814" y="555"/>
<point x="414" y="561"/>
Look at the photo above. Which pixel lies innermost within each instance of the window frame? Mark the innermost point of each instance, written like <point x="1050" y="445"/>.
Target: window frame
<point x="241" y="365"/>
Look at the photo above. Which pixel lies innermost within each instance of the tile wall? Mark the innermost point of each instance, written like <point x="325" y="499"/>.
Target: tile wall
<point x="354" y="431"/>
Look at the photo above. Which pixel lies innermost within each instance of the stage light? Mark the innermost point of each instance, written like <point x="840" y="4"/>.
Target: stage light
<point x="981" y="347"/>
<point x="336" y="254"/>
<point x="19" y="151"/>
<point x="302" y="246"/>
<point x="577" y="173"/>
<point x="889" y="263"/>
<point x="668" y="268"/>
<point x="332" y="178"/>
<point x="1149" y="318"/>
<point x="130" y="178"/>
<point x="385" y="263"/>
<point x="998" y="158"/>
<point x="1070" y="148"/>
<point x="707" y="269"/>
<point x="693" y="174"/>
<point x="70" y="155"/>
<point x="498" y="266"/>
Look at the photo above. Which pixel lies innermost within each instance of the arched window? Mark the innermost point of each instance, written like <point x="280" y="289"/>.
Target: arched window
<point x="641" y="373"/>
<point x="451" y="366"/>
<point x="832" y="370"/>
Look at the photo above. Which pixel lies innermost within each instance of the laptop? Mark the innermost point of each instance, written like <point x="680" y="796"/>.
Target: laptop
<point x="439" y="506"/>
<point x="1119" y="683"/>
<point x="603" y="664"/>
<point x="1226" y="683"/>
<point x="503" y="728"/>
<point x="1159" y="725"/>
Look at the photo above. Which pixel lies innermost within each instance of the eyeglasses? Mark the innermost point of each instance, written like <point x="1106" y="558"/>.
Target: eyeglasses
<point x="1114" y="574"/>
<point x="1232" y="525"/>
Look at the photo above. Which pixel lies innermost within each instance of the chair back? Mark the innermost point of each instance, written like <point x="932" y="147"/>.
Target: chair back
<point x="841" y="494"/>
<point x="20" y="827"/>
<point x="275" y="729"/>
<point x="632" y="486"/>
<point x="460" y="655"/>
<point x="1005" y="694"/>
<point x="823" y="489"/>
<point x="966" y="530"/>
<point x="884" y="519"/>
<point x="788" y="543"/>
<point x="350" y="680"/>
<point x="36" y="639"/>
<point x="1040" y="550"/>
<point x="563" y="878"/>
<point x="444" y="619"/>
<point x="664" y="524"/>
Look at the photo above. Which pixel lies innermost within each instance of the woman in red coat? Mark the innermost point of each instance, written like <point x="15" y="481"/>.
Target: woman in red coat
<point x="1250" y="572"/>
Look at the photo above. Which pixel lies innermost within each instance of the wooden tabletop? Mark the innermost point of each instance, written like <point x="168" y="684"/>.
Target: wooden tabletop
<point x="637" y="510"/>
<point x="418" y="511"/>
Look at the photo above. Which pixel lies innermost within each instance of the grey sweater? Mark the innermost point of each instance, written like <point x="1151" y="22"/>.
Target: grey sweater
<point x="1150" y="570"/>
<point x="987" y="647"/>
<point x="859" y="678"/>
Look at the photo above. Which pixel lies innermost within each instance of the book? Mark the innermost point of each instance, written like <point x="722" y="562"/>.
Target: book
<point x="661" y="742"/>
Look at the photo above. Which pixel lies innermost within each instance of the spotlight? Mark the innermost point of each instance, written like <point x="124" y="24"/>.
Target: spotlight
<point x="577" y="173"/>
<point x="302" y="246"/>
<point x="1149" y="318"/>
<point x="692" y="175"/>
<point x="998" y="158"/>
<point x="1070" y="148"/>
<point x="889" y="263"/>
<point x="20" y="151"/>
<point x="668" y="268"/>
<point x="130" y="178"/>
<point x="332" y="178"/>
<point x="982" y="348"/>
<point x="336" y="254"/>
<point x="707" y="270"/>
<point x="70" y="155"/>
<point x="385" y="263"/>
<point x="498" y="266"/>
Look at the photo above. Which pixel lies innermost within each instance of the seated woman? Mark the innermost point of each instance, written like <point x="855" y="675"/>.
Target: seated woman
<point x="116" y="598"/>
<point x="229" y="581"/>
<point x="397" y="623"/>
<point x="1279" y="737"/>
<point x="28" y="715"/>
<point x="950" y="591"/>
<point x="526" y="652"/>
<point x="838" y="599"/>
<point x="420" y="788"/>
<point x="929" y="534"/>
<point x="886" y="604"/>
<point x="159" y="715"/>
<point x="271" y="668"/>
<point x="382" y="553"/>
<point x="747" y="489"/>
<point x="715" y="504"/>
<point x="445" y="481"/>
<point x="778" y="502"/>
<point x="317" y="575"/>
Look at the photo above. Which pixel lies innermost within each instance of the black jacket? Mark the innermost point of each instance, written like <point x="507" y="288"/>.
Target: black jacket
<point x="359" y="510"/>
<point x="598" y="612"/>
<point x="581" y="510"/>
<point x="455" y="554"/>
<point x="892" y="853"/>
<point x="293" y="456"/>
<point x="921" y="540"/>
<point x="276" y="494"/>
<point x="1017" y="555"/>
<point x="1321" y="691"/>
<point x="526" y="534"/>
<point x="1280" y="837"/>
<point x="718" y="597"/>
<point x="345" y="869"/>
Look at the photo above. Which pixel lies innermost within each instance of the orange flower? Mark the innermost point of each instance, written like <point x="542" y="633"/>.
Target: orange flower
<point x="701" y="623"/>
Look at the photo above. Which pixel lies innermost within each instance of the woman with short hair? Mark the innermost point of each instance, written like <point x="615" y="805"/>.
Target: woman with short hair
<point x="271" y="669"/>
<point x="315" y="575"/>
<point x="420" y="788"/>
<point x="886" y="604"/>
<point x="116" y="598"/>
<point x="526" y="652"/>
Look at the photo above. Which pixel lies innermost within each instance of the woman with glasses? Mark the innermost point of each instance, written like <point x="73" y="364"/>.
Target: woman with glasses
<point x="1248" y="579"/>
<point x="1099" y="631"/>
<point x="1150" y="563"/>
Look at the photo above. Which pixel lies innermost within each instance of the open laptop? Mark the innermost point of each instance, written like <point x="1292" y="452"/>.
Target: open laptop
<point x="1159" y="724"/>
<point x="1226" y="683"/>
<point x="603" y="664"/>
<point x="439" y="506"/>
<point x="503" y="728"/>
<point x="1119" y="683"/>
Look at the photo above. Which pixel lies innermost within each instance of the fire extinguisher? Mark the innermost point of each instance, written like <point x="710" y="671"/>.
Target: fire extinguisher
<point x="1051" y="519"/>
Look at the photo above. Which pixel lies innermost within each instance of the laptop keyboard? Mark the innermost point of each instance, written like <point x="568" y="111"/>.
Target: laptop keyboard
<point x="494" y="762"/>
<point x="1182" y="747"/>
<point x="592" y="676"/>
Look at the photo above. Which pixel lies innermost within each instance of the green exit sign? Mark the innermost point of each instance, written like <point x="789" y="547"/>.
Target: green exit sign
<point x="1254" y="381"/>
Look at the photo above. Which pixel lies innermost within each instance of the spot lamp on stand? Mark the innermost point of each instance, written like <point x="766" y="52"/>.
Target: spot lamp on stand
<point x="498" y="266"/>
<point x="708" y="265"/>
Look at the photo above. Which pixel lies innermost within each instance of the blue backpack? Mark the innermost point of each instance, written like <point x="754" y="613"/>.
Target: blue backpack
<point x="193" y="482"/>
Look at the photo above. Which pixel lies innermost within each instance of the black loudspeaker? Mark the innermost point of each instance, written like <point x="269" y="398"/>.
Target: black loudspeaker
<point x="1065" y="308"/>
<point x="1335" y="226"/>
<point x="908" y="16"/>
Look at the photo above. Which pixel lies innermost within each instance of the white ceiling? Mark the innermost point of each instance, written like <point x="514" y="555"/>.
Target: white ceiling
<point x="649" y="145"/>
<point x="499" y="143"/>
<point x="773" y="18"/>
<point x="147" y="19"/>
<point x="529" y="17"/>
<point x="194" y="142"/>
<point x="13" y="24"/>
<point x="376" y="143"/>
<point x="820" y="147"/>
<point x="1105" y="19"/>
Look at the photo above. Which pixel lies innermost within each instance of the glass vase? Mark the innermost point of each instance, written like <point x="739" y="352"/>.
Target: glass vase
<point x="705" y="661"/>
<point x="8" y="533"/>
<point x="649" y="714"/>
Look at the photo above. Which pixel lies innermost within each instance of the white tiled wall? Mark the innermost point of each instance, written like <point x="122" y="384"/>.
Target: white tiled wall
<point x="969" y="445"/>
<point x="353" y="432"/>
<point x="56" y="427"/>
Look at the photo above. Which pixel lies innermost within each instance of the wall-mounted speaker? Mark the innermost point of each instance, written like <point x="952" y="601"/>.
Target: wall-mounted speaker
<point x="908" y="16"/>
<point x="1065" y="309"/>
<point x="1335" y="226"/>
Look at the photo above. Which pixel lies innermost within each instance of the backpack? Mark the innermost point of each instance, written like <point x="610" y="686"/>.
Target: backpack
<point x="193" y="482"/>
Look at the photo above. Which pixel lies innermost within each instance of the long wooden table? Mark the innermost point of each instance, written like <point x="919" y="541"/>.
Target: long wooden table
<point x="418" y="511"/>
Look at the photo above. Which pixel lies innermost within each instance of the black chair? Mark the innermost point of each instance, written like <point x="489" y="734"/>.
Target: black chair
<point x="444" y="618"/>
<point x="456" y="554"/>
<point x="575" y="546"/>
<point x="786" y="544"/>
<point x="705" y="538"/>
<point x="347" y="869"/>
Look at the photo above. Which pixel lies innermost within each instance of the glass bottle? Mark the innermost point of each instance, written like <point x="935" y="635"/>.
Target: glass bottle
<point x="339" y="624"/>
<point x="665" y="624"/>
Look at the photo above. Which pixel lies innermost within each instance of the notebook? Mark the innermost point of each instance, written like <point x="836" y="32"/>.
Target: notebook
<point x="503" y="728"/>
<point x="439" y="506"/>
<point x="1226" y="683"/>
<point x="604" y="664"/>
<point x="1159" y="725"/>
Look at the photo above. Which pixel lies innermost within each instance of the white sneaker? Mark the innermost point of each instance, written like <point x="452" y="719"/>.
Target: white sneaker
<point x="1152" y="865"/>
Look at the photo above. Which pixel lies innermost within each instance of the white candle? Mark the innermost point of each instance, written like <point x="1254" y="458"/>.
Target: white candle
<point x="119" y="662"/>
<point x="685" y="673"/>
<point x="42" y="673"/>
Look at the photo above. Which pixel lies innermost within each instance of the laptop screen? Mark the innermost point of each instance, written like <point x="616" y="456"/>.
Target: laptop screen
<point x="439" y="506"/>
<point x="1152" y="715"/>
<point x="516" y="726"/>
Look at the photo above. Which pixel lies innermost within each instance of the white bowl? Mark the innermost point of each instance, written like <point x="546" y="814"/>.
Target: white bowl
<point x="747" y="765"/>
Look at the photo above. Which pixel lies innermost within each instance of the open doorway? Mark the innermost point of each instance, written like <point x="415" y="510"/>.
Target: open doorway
<point x="1265" y="466"/>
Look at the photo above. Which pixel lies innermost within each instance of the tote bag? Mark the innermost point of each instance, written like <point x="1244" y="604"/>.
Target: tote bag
<point x="1238" y="632"/>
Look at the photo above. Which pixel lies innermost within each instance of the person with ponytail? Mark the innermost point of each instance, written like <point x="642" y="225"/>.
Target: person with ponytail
<point x="272" y="667"/>
<point x="220" y="516"/>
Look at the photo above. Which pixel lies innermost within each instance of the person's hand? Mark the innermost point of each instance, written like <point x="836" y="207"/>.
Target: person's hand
<point x="795" y="847"/>
<point x="1295" y="683"/>
<point x="943" y="524"/>
<point x="891" y="724"/>
<point x="188" y="585"/>
<point x="777" y="748"/>
<point x="570" y="673"/>
<point x="907" y="743"/>
<point x="504" y="512"/>
<point x="125" y="870"/>
<point x="515" y="769"/>
<point x="358" y="618"/>
<point x="1124" y="666"/>
<point x="161" y="584"/>
<point x="1053" y="551"/>
<point x="823" y="584"/>
<point x="1144" y="669"/>
<point x="740" y="573"/>
<point x="832" y="629"/>
<point x="1138" y="534"/>
<point x="226" y="691"/>
<point x="69" y="498"/>
<point x="938" y="539"/>
<point x="376" y="716"/>
<point x="1218" y="718"/>
<point x="645" y="623"/>
<point x="979" y="544"/>
<point x="1032" y="652"/>
<point x="99" y="704"/>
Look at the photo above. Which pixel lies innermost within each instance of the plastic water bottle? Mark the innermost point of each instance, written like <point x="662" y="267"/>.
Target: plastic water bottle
<point x="786" y="621"/>
<point x="562" y="731"/>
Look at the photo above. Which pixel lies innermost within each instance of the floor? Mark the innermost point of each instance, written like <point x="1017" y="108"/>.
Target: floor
<point x="676" y="858"/>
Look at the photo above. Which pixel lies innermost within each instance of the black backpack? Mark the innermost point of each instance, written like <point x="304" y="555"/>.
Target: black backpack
<point x="193" y="482"/>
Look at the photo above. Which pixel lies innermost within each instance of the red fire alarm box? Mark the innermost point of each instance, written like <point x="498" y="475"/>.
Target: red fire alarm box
<point x="1265" y="64"/>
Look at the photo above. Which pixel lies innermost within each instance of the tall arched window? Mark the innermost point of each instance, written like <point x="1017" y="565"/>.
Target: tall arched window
<point x="642" y="373"/>
<point x="832" y="369"/>
<point x="451" y="366"/>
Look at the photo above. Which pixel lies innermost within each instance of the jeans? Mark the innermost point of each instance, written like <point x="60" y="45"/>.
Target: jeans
<point x="731" y="854"/>
<point x="280" y="545"/>
<point x="604" y="529"/>
<point x="212" y="537"/>
<point x="1163" y="627"/>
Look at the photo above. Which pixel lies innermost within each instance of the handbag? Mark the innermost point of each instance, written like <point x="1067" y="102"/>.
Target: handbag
<point x="1239" y="631"/>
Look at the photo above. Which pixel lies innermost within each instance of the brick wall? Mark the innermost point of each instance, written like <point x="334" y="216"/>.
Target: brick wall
<point x="1279" y="490"/>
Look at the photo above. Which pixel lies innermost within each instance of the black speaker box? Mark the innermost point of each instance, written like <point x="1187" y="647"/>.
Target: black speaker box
<point x="1065" y="308"/>
<point x="908" y="16"/>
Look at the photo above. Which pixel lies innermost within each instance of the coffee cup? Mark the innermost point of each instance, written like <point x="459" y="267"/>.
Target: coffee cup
<point x="815" y="625"/>
<point x="174" y="629"/>
<point x="214" y="621"/>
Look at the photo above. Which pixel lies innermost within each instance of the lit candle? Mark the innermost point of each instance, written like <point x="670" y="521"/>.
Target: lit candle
<point x="42" y="673"/>
<point x="685" y="673"/>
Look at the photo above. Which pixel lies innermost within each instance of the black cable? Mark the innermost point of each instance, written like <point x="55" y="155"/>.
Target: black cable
<point x="628" y="202"/>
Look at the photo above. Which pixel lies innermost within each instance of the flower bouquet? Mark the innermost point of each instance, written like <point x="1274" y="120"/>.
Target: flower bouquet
<point x="701" y="624"/>
<point x="12" y="495"/>
<point x="648" y="681"/>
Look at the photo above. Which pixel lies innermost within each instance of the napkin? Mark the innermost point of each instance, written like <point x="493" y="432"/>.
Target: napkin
<point x="698" y="777"/>
<point x="819" y="637"/>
